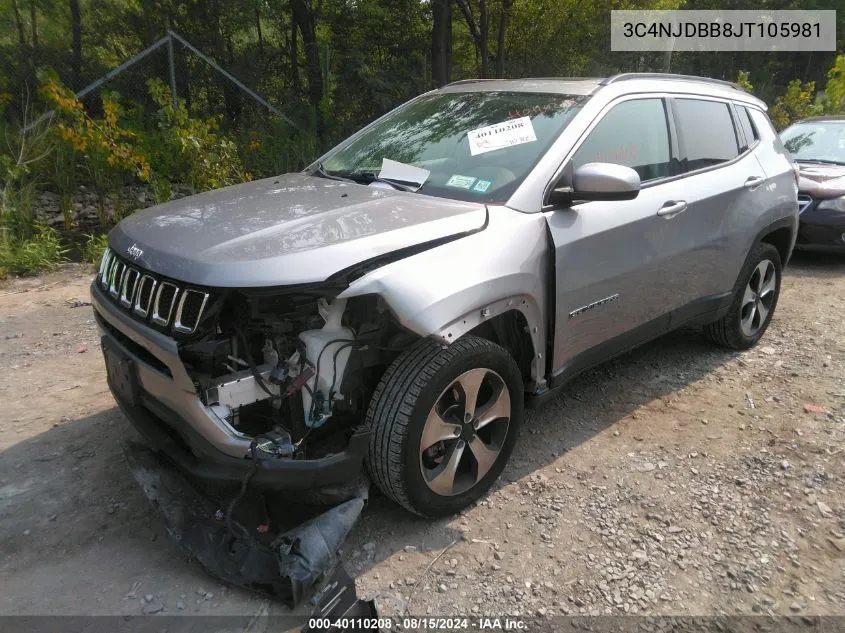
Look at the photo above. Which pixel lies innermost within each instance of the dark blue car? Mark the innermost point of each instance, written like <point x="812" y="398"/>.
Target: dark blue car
<point x="818" y="146"/>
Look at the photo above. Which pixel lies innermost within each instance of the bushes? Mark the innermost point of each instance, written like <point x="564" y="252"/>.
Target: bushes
<point x="800" y="99"/>
<point x="42" y="252"/>
<point x="191" y="150"/>
<point x="797" y="103"/>
<point x="92" y="250"/>
<point x="106" y="151"/>
<point x="106" y="146"/>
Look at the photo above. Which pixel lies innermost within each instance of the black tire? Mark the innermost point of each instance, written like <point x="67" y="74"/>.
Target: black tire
<point x="401" y="404"/>
<point x="727" y="331"/>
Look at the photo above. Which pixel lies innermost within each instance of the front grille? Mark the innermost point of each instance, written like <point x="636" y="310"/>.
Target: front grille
<point x="804" y="202"/>
<point x="167" y="305"/>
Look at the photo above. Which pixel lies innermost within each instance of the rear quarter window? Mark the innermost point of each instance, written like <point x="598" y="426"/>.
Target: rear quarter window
<point x="747" y="125"/>
<point x="706" y="132"/>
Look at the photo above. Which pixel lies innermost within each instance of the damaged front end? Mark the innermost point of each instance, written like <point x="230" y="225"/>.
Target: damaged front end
<point x="292" y="370"/>
<point x="286" y="374"/>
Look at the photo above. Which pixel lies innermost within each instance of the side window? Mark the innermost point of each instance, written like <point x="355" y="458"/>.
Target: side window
<point x="706" y="132"/>
<point x="747" y="126"/>
<point x="633" y="133"/>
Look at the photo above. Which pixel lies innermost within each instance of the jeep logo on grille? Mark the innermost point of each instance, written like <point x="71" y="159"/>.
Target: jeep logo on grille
<point x="134" y="252"/>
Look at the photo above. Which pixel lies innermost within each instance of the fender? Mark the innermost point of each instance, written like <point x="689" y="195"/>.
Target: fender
<point x="448" y="290"/>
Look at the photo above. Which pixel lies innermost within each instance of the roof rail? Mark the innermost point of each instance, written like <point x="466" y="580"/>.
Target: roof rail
<point x="466" y="81"/>
<point x="627" y="76"/>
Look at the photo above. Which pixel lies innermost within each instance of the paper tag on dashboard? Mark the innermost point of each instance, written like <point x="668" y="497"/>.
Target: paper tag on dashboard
<point x="501" y="135"/>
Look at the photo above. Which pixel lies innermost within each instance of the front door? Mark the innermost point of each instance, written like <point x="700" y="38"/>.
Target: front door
<point x="613" y="259"/>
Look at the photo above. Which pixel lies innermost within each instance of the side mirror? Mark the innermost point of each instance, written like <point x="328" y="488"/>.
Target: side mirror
<point x="600" y="181"/>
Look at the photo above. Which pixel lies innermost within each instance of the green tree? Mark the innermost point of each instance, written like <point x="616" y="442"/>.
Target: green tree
<point x="797" y="103"/>
<point x="834" y="91"/>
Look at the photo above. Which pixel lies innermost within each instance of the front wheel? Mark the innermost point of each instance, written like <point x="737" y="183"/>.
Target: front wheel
<point x="443" y="423"/>
<point x="755" y="297"/>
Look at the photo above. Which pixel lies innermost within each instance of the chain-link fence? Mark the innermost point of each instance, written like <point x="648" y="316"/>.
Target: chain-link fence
<point x="271" y="140"/>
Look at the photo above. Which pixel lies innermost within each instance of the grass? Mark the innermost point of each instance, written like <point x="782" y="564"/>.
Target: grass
<point x="42" y="252"/>
<point x="92" y="251"/>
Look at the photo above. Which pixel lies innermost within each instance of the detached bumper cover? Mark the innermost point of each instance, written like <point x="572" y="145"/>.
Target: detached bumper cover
<point x="290" y="568"/>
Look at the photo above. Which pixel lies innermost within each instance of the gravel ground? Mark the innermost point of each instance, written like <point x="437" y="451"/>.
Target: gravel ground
<point x="679" y="479"/>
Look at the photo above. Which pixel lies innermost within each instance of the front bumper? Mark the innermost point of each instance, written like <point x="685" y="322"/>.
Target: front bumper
<point x="170" y="416"/>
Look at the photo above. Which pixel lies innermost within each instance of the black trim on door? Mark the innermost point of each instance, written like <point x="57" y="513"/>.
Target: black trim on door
<point x="696" y="312"/>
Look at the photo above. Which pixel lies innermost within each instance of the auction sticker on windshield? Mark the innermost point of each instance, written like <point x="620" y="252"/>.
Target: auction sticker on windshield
<point x="501" y="135"/>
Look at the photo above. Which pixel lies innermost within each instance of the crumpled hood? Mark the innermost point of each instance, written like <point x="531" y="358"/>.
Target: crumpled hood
<point x="285" y="230"/>
<point x="822" y="181"/>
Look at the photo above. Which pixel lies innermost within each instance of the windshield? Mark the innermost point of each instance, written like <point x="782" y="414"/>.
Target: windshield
<point x="470" y="146"/>
<point x="816" y="140"/>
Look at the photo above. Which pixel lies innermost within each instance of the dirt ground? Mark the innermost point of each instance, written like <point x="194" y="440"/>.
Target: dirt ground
<point x="678" y="479"/>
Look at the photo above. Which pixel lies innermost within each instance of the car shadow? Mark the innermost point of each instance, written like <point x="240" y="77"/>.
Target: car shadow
<point x="818" y="265"/>
<point x="588" y="405"/>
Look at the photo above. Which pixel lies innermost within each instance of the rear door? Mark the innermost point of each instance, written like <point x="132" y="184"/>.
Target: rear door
<point x="724" y="187"/>
<point x="613" y="259"/>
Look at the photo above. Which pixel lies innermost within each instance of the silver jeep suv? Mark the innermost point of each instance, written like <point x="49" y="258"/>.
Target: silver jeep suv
<point x="393" y="308"/>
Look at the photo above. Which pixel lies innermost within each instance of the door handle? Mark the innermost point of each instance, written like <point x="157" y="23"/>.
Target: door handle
<point x="671" y="209"/>
<point x="753" y="182"/>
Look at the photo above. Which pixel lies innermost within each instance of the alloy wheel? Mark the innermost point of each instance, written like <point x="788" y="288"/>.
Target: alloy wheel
<point x="758" y="298"/>
<point x="465" y="432"/>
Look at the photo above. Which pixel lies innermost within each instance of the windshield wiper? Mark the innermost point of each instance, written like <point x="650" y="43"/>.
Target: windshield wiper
<point x="367" y="177"/>
<point x="823" y="161"/>
<point x="321" y="171"/>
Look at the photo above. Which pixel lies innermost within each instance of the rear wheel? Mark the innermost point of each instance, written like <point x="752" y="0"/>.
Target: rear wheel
<point x="443" y="422"/>
<point x="755" y="297"/>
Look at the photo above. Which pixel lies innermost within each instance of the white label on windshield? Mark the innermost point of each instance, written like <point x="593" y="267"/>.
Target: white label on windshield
<point x="501" y="135"/>
<point x="462" y="182"/>
<point x="403" y="172"/>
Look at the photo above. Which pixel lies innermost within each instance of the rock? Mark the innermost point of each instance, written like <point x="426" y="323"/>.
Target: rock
<point x="812" y="408"/>
<point x="410" y="548"/>
<point x="838" y="543"/>
<point x="442" y="588"/>
<point x="785" y="465"/>
<point x="498" y="555"/>
<point x="646" y="467"/>
<point x="153" y="607"/>
<point x="180" y="605"/>
<point x="824" y="509"/>
<point x="369" y="547"/>
<point x="795" y="606"/>
<point x="148" y="597"/>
